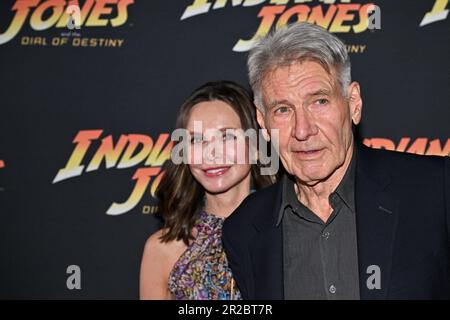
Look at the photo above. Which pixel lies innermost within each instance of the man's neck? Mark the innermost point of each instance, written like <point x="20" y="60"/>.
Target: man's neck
<point x="316" y="197"/>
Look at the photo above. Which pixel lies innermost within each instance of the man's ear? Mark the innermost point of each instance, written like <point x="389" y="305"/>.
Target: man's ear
<point x="355" y="102"/>
<point x="262" y="124"/>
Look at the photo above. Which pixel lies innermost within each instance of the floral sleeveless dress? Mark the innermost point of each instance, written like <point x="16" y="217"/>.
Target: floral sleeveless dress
<point x="202" y="271"/>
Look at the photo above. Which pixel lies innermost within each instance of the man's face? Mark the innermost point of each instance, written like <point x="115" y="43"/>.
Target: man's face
<point x="314" y="119"/>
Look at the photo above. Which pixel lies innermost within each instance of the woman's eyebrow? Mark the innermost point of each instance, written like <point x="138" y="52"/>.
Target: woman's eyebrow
<point x="224" y="129"/>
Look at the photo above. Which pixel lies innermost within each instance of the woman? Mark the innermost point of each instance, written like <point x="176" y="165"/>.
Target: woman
<point x="185" y="260"/>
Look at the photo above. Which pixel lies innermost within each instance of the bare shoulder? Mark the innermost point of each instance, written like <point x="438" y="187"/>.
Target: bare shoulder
<point x="163" y="250"/>
<point x="164" y="254"/>
<point x="157" y="262"/>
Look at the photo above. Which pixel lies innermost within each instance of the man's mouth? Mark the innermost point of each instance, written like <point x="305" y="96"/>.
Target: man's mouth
<point x="308" y="153"/>
<point x="217" y="171"/>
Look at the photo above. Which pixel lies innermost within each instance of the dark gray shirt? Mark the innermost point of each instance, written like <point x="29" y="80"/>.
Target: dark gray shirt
<point x="320" y="259"/>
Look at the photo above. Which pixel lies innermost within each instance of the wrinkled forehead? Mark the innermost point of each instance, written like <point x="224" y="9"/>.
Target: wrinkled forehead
<point x="303" y="78"/>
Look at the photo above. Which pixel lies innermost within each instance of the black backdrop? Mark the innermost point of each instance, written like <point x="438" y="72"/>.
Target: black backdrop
<point x="130" y="86"/>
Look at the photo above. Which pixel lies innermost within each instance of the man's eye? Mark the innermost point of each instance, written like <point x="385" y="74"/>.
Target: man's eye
<point x="282" y="110"/>
<point x="321" y="102"/>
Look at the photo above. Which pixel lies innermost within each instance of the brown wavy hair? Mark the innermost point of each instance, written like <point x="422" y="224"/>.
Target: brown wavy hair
<point x="180" y="196"/>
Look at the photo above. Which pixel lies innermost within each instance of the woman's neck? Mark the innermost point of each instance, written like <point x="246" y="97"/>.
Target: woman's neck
<point x="223" y="204"/>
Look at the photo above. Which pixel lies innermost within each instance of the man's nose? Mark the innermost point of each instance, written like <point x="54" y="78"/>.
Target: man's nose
<point x="305" y="125"/>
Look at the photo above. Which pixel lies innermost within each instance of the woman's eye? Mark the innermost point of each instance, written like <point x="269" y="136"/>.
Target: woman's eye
<point x="229" y="136"/>
<point x="195" y="140"/>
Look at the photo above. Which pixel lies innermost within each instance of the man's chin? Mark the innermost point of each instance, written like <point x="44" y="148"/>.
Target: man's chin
<point x="311" y="177"/>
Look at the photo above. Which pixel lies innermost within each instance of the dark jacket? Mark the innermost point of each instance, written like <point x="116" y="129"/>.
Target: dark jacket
<point x="402" y="221"/>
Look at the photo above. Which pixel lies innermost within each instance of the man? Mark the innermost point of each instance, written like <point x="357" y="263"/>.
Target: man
<point x="347" y="222"/>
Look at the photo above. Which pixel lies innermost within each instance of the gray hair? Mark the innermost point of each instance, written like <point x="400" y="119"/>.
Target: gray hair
<point x="296" y="43"/>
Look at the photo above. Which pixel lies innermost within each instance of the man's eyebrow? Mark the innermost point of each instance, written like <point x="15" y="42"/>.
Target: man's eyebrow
<point x="275" y="103"/>
<point x="319" y="92"/>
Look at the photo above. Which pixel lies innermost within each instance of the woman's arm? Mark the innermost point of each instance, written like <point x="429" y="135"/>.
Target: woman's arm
<point x="155" y="270"/>
<point x="157" y="263"/>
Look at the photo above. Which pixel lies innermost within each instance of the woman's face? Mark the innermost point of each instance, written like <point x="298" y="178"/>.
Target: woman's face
<point x="218" y="170"/>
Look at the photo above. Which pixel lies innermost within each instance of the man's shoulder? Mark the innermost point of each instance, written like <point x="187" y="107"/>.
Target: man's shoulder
<point x="260" y="203"/>
<point x="405" y="164"/>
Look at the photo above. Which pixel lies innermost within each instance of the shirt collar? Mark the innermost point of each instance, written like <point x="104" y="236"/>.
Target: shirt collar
<point x="288" y="196"/>
<point x="345" y="190"/>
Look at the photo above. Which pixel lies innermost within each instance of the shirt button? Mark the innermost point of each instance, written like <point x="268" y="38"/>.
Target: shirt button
<point x="332" y="289"/>
<point x="333" y="198"/>
<point x="326" y="235"/>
